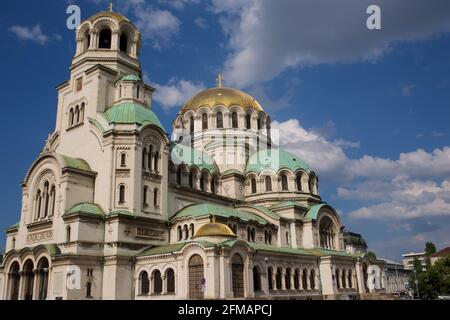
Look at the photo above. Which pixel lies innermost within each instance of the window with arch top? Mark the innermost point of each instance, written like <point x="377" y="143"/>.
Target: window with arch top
<point x="204" y="121"/>
<point x="253" y="185"/>
<point x="123" y="160"/>
<point x="121" y="194"/>
<point x="219" y="120"/>
<point x="124" y="43"/>
<point x="105" y="39"/>
<point x="248" y="121"/>
<point x="284" y="183"/>
<point x="268" y="181"/>
<point x="234" y="120"/>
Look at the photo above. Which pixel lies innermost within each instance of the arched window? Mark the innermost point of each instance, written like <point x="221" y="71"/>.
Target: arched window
<point x="185" y="232"/>
<point x="71" y="117"/>
<point x="311" y="183"/>
<point x="42" y="274"/>
<point x="87" y="40"/>
<point x="338" y="282"/>
<point x="156" y="167"/>
<point x="253" y="182"/>
<point x="28" y="277"/>
<point x="68" y="233"/>
<point x="234" y="120"/>
<point x="278" y="278"/>
<point x="138" y="92"/>
<point x="297" y="279"/>
<point x="53" y="200"/>
<point x="312" y="279"/>
<point x="259" y="123"/>
<point x="298" y="182"/>
<point x="191" y="125"/>
<point x="123" y="160"/>
<point x="179" y="173"/>
<point x="287" y="279"/>
<point x="14" y="278"/>
<point x="77" y="115"/>
<point x="105" y="39"/>
<point x="191" y="179"/>
<point x="253" y="234"/>
<point x="145" y="196"/>
<point x="248" y="234"/>
<point x="46" y="198"/>
<point x="157" y="282"/>
<point x="144" y="155"/>
<point x="204" y="121"/>
<point x="326" y="233"/>
<point x="349" y="280"/>
<point x="170" y="281"/>
<point x="191" y="230"/>
<point x="268" y="183"/>
<point x="248" y="121"/>
<point x="213" y="185"/>
<point x="13" y="243"/>
<point x="82" y="112"/>
<point x="121" y="194"/>
<point x="287" y="237"/>
<point x="284" y="183"/>
<point x="155" y="197"/>
<point x="237" y="275"/>
<point x="219" y="120"/>
<point x="304" y="279"/>
<point x="144" y="282"/>
<point x="150" y="158"/>
<point x="89" y="290"/>
<point x="256" y="279"/>
<point x="124" y="43"/>
<point x="343" y="278"/>
<point x="202" y="182"/>
<point x="269" y="278"/>
<point x="179" y="233"/>
<point x="38" y="204"/>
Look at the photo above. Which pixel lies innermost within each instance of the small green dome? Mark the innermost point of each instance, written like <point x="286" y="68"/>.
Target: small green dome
<point x="275" y="159"/>
<point x="127" y="113"/>
<point x="130" y="77"/>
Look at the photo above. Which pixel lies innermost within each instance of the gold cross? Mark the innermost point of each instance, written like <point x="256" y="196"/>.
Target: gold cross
<point x="110" y="6"/>
<point x="219" y="80"/>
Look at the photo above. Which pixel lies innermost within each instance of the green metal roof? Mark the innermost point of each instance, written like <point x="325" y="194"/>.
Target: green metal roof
<point x="267" y="211"/>
<point x="274" y="160"/>
<point x="79" y="164"/>
<point x="130" y="77"/>
<point x="128" y="113"/>
<point x="205" y="209"/>
<point x="284" y="204"/>
<point x="86" y="208"/>
<point x="314" y="211"/>
<point x="182" y="154"/>
<point x="172" y="248"/>
<point x="288" y="250"/>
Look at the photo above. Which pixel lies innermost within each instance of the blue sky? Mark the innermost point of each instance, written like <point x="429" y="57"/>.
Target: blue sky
<point x="369" y="110"/>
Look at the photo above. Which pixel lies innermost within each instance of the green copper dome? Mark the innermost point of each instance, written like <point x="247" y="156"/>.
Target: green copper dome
<point x="128" y="113"/>
<point x="275" y="159"/>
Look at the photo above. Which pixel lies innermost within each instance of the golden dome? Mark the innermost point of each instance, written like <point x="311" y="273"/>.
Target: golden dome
<point x="214" y="229"/>
<point x="221" y="96"/>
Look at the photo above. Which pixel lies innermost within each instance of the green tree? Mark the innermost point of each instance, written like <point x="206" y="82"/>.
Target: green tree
<point x="430" y="248"/>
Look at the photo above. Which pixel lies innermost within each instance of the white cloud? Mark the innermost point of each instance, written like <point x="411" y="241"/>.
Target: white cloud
<point x="201" y="23"/>
<point x="267" y="37"/>
<point x="30" y="34"/>
<point x="176" y="92"/>
<point x="417" y="184"/>
<point x="407" y="89"/>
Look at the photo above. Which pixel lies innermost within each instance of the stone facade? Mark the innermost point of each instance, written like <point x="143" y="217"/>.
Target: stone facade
<point x="112" y="206"/>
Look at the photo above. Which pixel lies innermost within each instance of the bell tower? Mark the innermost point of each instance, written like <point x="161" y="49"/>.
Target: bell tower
<point x="109" y="39"/>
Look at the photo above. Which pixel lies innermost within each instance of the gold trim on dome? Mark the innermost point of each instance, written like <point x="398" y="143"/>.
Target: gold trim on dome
<point x="221" y="96"/>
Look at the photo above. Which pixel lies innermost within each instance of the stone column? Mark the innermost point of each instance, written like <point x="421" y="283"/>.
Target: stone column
<point x="308" y="280"/>
<point x="292" y="279"/>
<point x="283" y="279"/>
<point x="21" y="285"/>
<point x="115" y="40"/>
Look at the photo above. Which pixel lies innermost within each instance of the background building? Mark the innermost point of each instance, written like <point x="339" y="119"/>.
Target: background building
<point x="408" y="259"/>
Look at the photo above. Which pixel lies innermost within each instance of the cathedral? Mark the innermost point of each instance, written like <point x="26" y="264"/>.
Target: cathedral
<point x="116" y="208"/>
